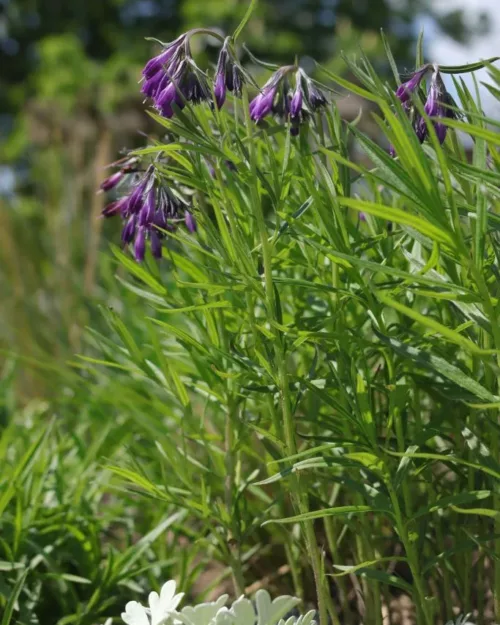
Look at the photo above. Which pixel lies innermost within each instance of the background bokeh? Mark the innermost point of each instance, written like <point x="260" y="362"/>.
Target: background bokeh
<point x="69" y="102"/>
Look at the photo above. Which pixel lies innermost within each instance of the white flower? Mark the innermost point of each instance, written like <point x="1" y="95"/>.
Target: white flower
<point x="244" y="611"/>
<point x="161" y="607"/>
<point x="164" y="604"/>
<point x="269" y="613"/>
<point x="202" y="614"/>
<point x="307" y="618"/>
<point x="262" y="611"/>
<point x="135" y="614"/>
<point x="224" y="617"/>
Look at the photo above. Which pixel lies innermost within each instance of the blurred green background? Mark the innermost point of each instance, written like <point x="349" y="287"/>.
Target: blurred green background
<point x="69" y="102"/>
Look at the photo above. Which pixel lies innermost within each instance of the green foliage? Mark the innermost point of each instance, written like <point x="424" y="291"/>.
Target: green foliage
<point x="294" y="385"/>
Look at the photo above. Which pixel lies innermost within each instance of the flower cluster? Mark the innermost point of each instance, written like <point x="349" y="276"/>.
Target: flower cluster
<point x="149" y="208"/>
<point x="296" y="106"/>
<point x="228" y="75"/>
<point x="438" y="104"/>
<point x="173" y="77"/>
<point x="262" y="611"/>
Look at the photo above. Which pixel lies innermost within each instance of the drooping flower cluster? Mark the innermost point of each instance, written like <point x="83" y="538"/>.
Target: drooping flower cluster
<point x="228" y="75"/>
<point x="438" y="104"/>
<point x="173" y="77"/>
<point x="295" y="106"/>
<point x="262" y="611"/>
<point x="149" y="208"/>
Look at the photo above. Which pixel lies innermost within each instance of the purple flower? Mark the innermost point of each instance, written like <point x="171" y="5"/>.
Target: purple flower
<point x="316" y="99"/>
<point x="277" y="98"/>
<point x="262" y="104"/>
<point x="190" y="222"/>
<point x="437" y="106"/>
<point x="228" y="75"/>
<point x="220" y="82"/>
<point x="140" y="244"/>
<point x="196" y="89"/>
<point x="220" y="89"/>
<point x="136" y="198"/>
<point x="236" y="81"/>
<point x="160" y="219"/>
<point x="166" y="98"/>
<point x="111" y="181"/>
<point x="128" y="231"/>
<point x="157" y="63"/>
<point x="115" y="208"/>
<point x="157" y="82"/>
<point x="406" y="89"/>
<point x="155" y="240"/>
<point x="173" y="78"/>
<point x="147" y="213"/>
<point x="296" y="103"/>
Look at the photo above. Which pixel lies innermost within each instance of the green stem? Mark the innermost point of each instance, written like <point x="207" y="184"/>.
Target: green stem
<point x="329" y="524"/>
<point x="299" y="497"/>
<point x="446" y="574"/>
<point x="494" y="436"/>
<point x="423" y="612"/>
<point x="294" y="569"/>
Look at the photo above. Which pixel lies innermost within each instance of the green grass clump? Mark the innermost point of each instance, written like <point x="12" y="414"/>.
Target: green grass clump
<point x="296" y="394"/>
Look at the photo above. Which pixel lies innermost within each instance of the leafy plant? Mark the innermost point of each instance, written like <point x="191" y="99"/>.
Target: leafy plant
<point x="309" y="379"/>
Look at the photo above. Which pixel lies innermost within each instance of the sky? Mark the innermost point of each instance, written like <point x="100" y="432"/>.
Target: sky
<point x="442" y="49"/>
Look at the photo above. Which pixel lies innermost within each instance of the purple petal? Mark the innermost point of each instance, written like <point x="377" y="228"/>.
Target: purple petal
<point x="147" y="213"/>
<point x="153" y="85"/>
<point x="128" y="231"/>
<point x="155" y="243"/>
<point x="167" y="96"/>
<point x="432" y="107"/>
<point x="441" y="131"/>
<point x="316" y="97"/>
<point x="190" y="222"/>
<point x="140" y="244"/>
<point x="421" y="130"/>
<point x="115" y="207"/>
<point x="405" y="90"/>
<point x="220" y="90"/>
<point x="157" y="62"/>
<point x="262" y="104"/>
<point x="136" y="199"/>
<point x="296" y="103"/>
<point x="111" y="181"/>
